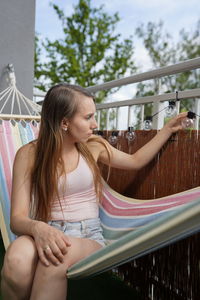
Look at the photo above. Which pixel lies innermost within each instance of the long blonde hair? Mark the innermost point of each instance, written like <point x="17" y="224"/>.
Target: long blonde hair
<point x="61" y="101"/>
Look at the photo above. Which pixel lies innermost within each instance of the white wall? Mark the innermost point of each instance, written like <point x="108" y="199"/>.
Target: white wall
<point x="17" y="30"/>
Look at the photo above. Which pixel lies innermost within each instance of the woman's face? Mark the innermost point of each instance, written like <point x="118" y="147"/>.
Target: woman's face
<point x="81" y="126"/>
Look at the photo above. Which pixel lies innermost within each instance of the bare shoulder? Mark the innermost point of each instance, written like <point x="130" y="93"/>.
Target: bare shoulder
<point x="25" y="156"/>
<point x="25" y="151"/>
<point x="96" y="141"/>
<point x="96" y="145"/>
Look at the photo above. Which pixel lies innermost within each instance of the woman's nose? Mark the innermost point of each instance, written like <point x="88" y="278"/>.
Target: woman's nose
<point x="94" y="124"/>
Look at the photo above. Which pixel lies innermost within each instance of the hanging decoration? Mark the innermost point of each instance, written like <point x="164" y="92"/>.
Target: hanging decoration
<point x="99" y="132"/>
<point x="188" y="123"/>
<point x="130" y="135"/>
<point x="147" y="125"/>
<point x="113" y="138"/>
<point x="170" y="110"/>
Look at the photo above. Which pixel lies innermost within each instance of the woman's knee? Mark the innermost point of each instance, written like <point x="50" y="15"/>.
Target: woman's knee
<point x="79" y="249"/>
<point x="20" y="261"/>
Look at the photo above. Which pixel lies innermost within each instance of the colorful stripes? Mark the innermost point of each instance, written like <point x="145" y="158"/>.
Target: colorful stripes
<point x="119" y="214"/>
<point x="159" y="233"/>
<point x="13" y="135"/>
<point x="131" y="226"/>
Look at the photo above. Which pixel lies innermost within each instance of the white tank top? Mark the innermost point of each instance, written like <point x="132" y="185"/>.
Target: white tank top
<point x="77" y="195"/>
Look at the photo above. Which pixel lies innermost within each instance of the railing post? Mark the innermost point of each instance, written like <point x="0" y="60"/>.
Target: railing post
<point x="129" y="116"/>
<point x="178" y="106"/>
<point x="107" y="119"/>
<point x="117" y="118"/>
<point x="158" y="119"/>
<point x="197" y="111"/>
<point x="141" y="116"/>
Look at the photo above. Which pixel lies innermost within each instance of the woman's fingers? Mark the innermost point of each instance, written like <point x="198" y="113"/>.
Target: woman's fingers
<point x="51" y="243"/>
<point x="179" y="117"/>
<point x="175" y="123"/>
<point x="57" y="251"/>
<point x="42" y="257"/>
<point x="66" y="240"/>
<point x="62" y="246"/>
<point x="183" y="114"/>
<point x="53" y="254"/>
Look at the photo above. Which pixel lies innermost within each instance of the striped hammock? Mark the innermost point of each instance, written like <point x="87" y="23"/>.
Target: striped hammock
<point x="13" y="134"/>
<point x="131" y="227"/>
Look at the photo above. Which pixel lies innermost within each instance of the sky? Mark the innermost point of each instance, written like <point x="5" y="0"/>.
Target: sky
<point x="176" y="15"/>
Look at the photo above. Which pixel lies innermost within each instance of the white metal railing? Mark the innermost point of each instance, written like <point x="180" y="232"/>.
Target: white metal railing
<point x="191" y="64"/>
<point x="158" y="105"/>
<point x="158" y="101"/>
<point x="38" y="95"/>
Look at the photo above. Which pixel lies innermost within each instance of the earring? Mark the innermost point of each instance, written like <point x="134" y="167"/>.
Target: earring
<point x="65" y="129"/>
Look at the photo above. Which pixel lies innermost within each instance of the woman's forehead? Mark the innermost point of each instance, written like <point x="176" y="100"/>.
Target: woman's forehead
<point x="86" y="104"/>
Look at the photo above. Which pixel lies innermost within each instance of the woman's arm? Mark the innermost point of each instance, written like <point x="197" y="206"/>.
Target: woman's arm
<point x="20" y="198"/>
<point x="145" y="154"/>
<point x="21" y="224"/>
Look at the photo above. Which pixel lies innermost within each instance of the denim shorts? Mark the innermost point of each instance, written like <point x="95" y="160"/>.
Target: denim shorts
<point x="89" y="229"/>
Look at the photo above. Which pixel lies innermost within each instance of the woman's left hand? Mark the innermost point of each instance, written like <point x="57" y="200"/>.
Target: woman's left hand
<point x="175" y="123"/>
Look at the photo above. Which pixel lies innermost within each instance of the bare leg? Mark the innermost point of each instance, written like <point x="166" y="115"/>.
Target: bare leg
<point x="51" y="282"/>
<point x="19" y="268"/>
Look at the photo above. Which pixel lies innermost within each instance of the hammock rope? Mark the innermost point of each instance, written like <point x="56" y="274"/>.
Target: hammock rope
<point x="17" y="101"/>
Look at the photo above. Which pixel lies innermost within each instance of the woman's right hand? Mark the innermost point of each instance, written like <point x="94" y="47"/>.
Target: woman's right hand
<point x="50" y="242"/>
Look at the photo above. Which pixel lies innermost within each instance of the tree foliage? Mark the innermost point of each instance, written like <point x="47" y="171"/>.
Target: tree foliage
<point x="90" y="52"/>
<point x="37" y="61"/>
<point x="164" y="51"/>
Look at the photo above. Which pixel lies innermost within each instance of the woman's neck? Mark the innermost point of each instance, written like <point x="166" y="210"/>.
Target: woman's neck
<point x="69" y="146"/>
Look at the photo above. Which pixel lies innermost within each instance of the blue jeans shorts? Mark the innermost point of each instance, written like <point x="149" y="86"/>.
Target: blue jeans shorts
<point x="89" y="229"/>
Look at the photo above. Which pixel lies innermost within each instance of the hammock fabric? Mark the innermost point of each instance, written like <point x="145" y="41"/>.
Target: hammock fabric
<point x="131" y="227"/>
<point x="13" y="134"/>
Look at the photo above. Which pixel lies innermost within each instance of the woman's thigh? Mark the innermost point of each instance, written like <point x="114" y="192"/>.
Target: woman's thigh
<point x="51" y="282"/>
<point x="79" y="249"/>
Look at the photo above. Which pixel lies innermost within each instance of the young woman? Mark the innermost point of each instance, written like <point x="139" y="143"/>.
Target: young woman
<point x="55" y="193"/>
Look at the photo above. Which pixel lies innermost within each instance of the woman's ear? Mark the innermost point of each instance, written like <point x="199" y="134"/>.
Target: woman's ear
<point x="64" y="124"/>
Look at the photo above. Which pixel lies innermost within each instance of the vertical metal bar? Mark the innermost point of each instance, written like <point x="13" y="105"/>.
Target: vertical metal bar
<point x="107" y="119"/>
<point x="197" y="111"/>
<point x="141" y="116"/>
<point x="117" y="118"/>
<point x="178" y="106"/>
<point x="129" y="116"/>
<point x="158" y="120"/>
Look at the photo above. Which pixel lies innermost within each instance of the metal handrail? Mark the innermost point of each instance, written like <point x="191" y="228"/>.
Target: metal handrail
<point x="150" y="99"/>
<point x="187" y="65"/>
<point x="157" y="100"/>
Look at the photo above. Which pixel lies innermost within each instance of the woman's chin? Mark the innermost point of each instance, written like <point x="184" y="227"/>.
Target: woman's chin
<point x="82" y="140"/>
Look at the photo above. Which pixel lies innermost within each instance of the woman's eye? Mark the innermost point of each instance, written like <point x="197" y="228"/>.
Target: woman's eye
<point x="89" y="117"/>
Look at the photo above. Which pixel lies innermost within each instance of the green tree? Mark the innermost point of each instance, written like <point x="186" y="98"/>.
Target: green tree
<point x="90" y="52"/>
<point x="163" y="51"/>
<point x="37" y="64"/>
